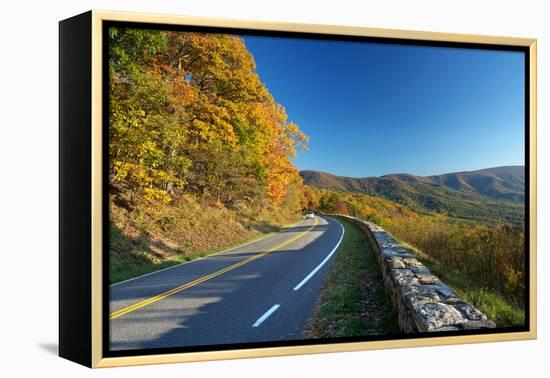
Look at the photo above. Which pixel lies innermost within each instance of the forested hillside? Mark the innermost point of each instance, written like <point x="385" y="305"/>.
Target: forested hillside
<point x="502" y="183"/>
<point x="490" y="195"/>
<point x="199" y="151"/>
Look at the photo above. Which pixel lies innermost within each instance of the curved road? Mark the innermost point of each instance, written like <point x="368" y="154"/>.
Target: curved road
<point x="261" y="291"/>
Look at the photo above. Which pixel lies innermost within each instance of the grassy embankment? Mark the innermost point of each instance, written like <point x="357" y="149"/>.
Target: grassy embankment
<point x="147" y="238"/>
<point x="353" y="301"/>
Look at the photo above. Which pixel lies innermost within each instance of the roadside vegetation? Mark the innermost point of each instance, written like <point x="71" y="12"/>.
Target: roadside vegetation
<point x="145" y="237"/>
<point x="484" y="262"/>
<point x="500" y="308"/>
<point x="353" y="301"/>
<point x="199" y="151"/>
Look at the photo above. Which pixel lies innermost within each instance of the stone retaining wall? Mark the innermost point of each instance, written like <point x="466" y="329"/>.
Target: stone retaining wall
<point x="423" y="302"/>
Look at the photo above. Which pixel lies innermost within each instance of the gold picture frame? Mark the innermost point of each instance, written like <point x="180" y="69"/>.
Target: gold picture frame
<point x="93" y="264"/>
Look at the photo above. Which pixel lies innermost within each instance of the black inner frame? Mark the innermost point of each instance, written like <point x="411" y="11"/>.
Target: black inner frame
<point x="318" y="36"/>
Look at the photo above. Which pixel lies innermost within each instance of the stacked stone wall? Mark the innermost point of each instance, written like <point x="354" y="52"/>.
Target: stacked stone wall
<point x="423" y="302"/>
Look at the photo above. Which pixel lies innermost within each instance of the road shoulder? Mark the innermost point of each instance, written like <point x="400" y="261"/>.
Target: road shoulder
<point x="352" y="301"/>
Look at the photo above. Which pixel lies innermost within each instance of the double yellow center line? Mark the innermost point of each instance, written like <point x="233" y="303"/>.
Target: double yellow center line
<point x="147" y="302"/>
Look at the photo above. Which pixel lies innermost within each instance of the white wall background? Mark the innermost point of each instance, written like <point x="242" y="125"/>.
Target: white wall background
<point x="28" y="185"/>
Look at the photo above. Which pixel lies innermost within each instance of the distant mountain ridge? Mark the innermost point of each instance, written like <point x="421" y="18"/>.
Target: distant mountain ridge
<point x="503" y="183"/>
<point x="495" y="192"/>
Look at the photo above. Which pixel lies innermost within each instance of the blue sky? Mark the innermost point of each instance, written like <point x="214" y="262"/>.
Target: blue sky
<point x="373" y="109"/>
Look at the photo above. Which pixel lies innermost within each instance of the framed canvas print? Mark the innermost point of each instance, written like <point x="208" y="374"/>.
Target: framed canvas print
<point x="235" y="189"/>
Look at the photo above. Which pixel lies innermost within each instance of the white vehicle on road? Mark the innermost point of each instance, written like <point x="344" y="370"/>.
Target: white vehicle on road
<point x="310" y="215"/>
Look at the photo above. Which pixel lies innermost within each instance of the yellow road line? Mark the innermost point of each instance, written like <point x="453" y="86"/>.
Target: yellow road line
<point x="146" y="302"/>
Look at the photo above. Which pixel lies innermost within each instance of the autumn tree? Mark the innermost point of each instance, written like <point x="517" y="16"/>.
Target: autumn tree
<point x="189" y="113"/>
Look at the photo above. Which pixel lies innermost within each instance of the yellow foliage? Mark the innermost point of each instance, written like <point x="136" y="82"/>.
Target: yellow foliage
<point x="189" y="113"/>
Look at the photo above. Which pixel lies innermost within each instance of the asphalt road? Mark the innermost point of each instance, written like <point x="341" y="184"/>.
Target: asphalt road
<point x="262" y="291"/>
